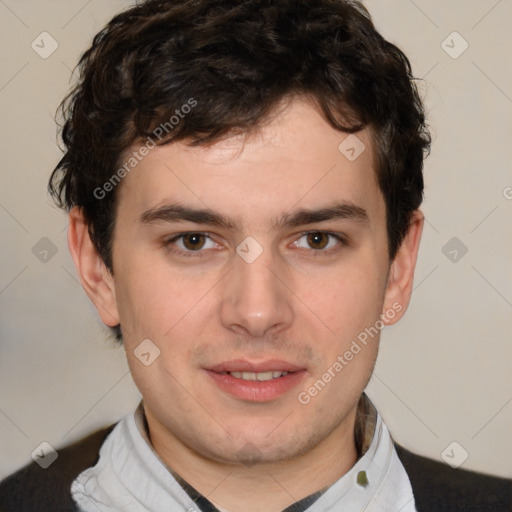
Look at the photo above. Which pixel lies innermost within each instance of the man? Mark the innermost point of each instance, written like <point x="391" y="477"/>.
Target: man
<point x="243" y="180"/>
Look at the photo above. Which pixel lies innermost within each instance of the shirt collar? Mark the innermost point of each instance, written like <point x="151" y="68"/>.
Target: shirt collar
<point x="366" y="419"/>
<point x="130" y="475"/>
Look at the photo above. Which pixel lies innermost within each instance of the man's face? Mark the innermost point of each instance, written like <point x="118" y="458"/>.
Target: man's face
<point x="213" y="304"/>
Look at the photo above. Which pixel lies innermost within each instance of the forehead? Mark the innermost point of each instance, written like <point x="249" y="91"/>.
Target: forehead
<point x="295" y="159"/>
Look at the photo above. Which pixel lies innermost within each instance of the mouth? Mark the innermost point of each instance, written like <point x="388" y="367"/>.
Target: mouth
<point x="260" y="376"/>
<point x="256" y="382"/>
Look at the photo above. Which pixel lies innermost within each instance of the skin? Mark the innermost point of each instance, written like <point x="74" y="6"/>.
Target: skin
<point x="296" y="302"/>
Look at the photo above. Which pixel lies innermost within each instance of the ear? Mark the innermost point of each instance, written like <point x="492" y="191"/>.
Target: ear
<point x="96" y="279"/>
<point x="401" y="272"/>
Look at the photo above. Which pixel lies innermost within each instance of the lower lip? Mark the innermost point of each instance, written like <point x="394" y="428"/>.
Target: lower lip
<point x="255" y="390"/>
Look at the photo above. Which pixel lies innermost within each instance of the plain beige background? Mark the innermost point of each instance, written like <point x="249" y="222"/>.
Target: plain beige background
<point x="444" y="372"/>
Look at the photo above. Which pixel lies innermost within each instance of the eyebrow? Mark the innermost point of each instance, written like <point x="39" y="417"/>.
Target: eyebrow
<point x="181" y="213"/>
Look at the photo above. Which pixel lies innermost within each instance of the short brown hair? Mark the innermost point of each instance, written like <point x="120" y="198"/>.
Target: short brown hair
<point x="236" y="59"/>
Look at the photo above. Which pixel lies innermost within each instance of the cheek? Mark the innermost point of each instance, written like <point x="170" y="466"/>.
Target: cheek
<point x="156" y="305"/>
<point x="138" y="294"/>
<point x="346" y="300"/>
<point x="347" y="309"/>
<point x="157" y="301"/>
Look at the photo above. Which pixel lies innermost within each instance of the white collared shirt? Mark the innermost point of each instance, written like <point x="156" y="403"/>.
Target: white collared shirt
<point x="130" y="476"/>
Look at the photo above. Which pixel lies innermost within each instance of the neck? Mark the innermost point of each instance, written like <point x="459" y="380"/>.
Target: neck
<point x="261" y="487"/>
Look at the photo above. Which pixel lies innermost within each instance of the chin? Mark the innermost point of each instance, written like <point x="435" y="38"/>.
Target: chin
<point x="249" y="448"/>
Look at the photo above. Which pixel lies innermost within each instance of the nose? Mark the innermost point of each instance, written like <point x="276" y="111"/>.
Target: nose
<point x="256" y="302"/>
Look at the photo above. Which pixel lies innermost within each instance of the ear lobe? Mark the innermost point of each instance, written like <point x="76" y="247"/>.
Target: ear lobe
<point x="401" y="273"/>
<point x="96" y="279"/>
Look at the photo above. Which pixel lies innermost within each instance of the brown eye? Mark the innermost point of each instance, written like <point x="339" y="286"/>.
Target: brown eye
<point x="318" y="240"/>
<point x="320" y="243"/>
<point x="194" y="241"/>
<point x="192" y="244"/>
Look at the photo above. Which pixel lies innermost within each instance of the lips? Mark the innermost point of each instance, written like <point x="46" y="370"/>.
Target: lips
<point x="256" y="382"/>
<point x="241" y="365"/>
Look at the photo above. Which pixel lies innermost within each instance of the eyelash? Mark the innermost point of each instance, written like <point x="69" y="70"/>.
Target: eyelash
<point x="197" y="254"/>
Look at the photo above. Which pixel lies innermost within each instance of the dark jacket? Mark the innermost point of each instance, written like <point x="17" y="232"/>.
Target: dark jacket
<point x="436" y="487"/>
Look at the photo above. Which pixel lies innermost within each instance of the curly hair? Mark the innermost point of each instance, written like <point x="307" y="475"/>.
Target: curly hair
<point x="234" y="61"/>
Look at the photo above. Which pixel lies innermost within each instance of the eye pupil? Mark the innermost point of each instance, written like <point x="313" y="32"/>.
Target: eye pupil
<point x="318" y="240"/>
<point x="193" y="241"/>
